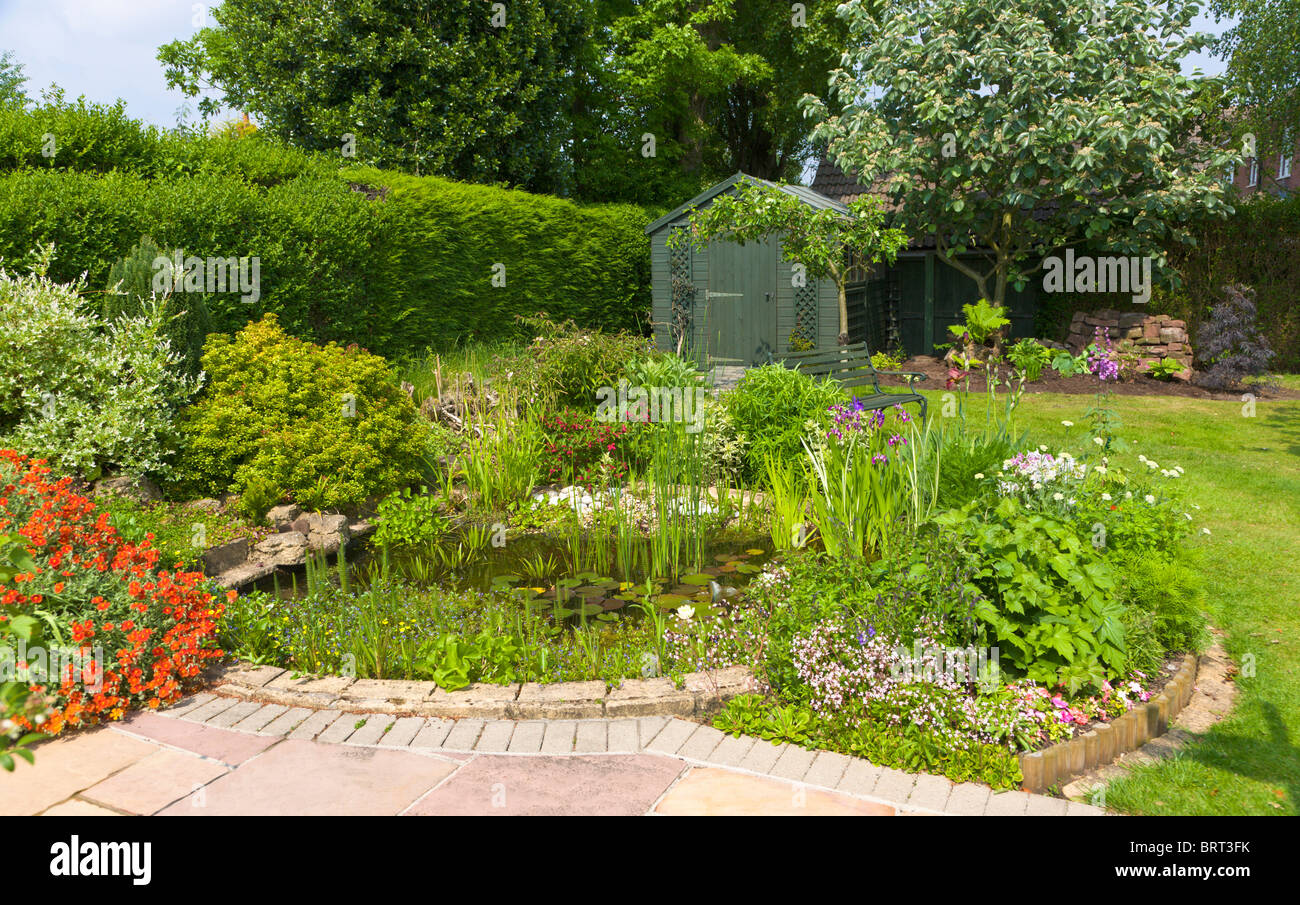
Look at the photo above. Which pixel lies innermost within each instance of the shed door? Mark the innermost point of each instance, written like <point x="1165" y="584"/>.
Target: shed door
<point x="740" y="315"/>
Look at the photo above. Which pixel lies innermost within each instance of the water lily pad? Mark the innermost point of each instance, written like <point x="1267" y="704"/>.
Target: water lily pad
<point x="697" y="579"/>
<point x="754" y="551"/>
<point x="589" y="591"/>
<point x="568" y="583"/>
<point x="591" y="609"/>
<point x="746" y="569"/>
<point x="607" y="617"/>
<point x="506" y="578"/>
<point x="614" y="603"/>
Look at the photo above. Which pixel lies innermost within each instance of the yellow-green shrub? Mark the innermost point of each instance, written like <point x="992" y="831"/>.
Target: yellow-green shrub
<point x="324" y="425"/>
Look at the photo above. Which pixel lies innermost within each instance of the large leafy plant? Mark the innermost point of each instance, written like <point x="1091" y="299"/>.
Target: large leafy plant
<point x="1050" y="605"/>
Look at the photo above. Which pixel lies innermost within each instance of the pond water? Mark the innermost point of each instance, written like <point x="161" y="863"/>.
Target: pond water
<point x="566" y="577"/>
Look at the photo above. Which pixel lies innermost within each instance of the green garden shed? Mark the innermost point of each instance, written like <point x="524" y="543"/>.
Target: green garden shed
<point x="737" y="303"/>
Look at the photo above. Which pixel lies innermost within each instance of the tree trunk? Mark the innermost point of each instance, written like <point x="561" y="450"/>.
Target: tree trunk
<point x="843" y="338"/>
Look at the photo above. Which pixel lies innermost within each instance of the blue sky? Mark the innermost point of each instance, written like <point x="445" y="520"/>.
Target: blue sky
<point x="105" y="49"/>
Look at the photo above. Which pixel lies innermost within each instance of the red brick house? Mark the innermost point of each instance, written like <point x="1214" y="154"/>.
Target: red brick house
<point x="1277" y="173"/>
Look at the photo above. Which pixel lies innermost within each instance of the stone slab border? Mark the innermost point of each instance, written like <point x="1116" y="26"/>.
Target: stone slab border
<point x="697" y="745"/>
<point x="1108" y="741"/>
<point x="701" y="694"/>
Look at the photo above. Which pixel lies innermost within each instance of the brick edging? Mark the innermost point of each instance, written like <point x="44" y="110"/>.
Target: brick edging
<point x="1105" y="743"/>
<point x="701" y="694"/>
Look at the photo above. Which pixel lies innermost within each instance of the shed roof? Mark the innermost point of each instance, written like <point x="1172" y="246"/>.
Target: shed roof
<point x="803" y="193"/>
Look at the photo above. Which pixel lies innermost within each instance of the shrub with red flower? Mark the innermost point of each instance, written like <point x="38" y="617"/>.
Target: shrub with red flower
<point x="583" y="450"/>
<point x="93" y="591"/>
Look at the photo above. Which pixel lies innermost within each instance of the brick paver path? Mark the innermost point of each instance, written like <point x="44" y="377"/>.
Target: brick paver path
<point x="219" y="755"/>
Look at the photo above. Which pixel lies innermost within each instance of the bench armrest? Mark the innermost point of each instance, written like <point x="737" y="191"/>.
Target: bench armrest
<point x="910" y="375"/>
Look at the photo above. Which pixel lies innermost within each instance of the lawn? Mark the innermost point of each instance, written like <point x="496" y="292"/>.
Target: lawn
<point x="1245" y="474"/>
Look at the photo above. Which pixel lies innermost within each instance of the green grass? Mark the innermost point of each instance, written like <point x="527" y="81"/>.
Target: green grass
<point x="1245" y="474"/>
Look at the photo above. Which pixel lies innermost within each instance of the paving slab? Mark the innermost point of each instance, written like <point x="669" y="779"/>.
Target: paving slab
<point x="75" y="807"/>
<point x="731" y="751"/>
<point x="893" y="785"/>
<point x="967" y="799"/>
<point x="185" y="705"/>
<point x="298" y="777"/>
<point x="260" y="718"/>
<point x="341" y="728"/>
<point x="573" y="785"/>
<point x="233" y="714"/>
<point x="65" y="766"/>
<point x="710" y="791"/>
<point x="701" y="744"/>
<point x="827" y="769"/>
<point x="153" y="782"/>
<point x="314" y="725"/>
<point x="527" y="738"/>
<point x="762" y="756"/>
<point x="930" y="792"/>
<point x="592" y="737"/>
<point x="463" y="735"/>
<point x="495" y="737"/>
<point x="860" y="777"/>
<point x="288" y="721"/>
<point x="559" y="737"/>
<point x="1007" y="804"/>
<point x="370" y="734"/>
<point x="671" y="737"/>
<point x="222" y="745"/>
<point x="209" y="710"/>
<point x="623" y="737"/>
<point x="403" y="732"/>
<point x="793" y="763"/>
<point x="1044" y="806"/>
<point x="433" y="734"/>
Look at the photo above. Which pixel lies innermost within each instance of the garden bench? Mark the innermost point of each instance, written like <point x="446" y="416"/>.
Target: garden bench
<point x="851" y="366"/>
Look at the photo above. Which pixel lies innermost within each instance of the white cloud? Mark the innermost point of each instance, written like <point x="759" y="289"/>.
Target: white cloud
<point x="104" y="49"/>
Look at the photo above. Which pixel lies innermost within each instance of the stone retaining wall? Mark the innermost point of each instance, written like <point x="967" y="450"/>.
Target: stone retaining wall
<point x="1148" y="337"/>
<point x="1106" y="742"/>
<point x="702" y="694"/>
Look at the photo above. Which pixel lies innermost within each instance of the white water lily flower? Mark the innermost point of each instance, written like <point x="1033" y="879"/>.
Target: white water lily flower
<point x="1150" y="499"/>
<point x="686" y="611"/>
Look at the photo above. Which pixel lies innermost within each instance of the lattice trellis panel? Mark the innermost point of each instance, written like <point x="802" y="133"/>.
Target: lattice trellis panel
<point x="681" y="316"/>
<point x="804" y="335"/>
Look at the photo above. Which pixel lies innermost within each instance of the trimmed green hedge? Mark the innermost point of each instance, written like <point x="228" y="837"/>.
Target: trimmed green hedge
<point x="393" y="262"/>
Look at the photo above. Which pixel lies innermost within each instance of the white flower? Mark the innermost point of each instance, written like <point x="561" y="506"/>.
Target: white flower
<point x="1105" y="496"/>
<point x="1070" y="502"/>
<point x="1100" y="469"/>
<point x="1128" y="494"/>
<point x="1142" y="458"/>
<point x="1068" y="423"/>
<point x="1179" y="469"/>
<point x="1042" y="449"/>
<point x="1151" y="464"/>
<point x="1099" y="441"/>
<point x="1058" y="496"/>
<point x="686" y="611"/>
<point x="979" y="476"/>
<point x="1187" y="515"/>
<point x="1150" y="499"/>
<point x="1205" y="530"/>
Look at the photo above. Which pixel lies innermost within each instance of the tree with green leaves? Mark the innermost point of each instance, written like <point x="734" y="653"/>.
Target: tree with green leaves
<point x="1263" y="75"/>
<point x="11" y="81"/>
<point x="826" y="242"/>
<point x="461" y="88"/>
<point x="1014" y="128"/>
<point x="717" y="83"/>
